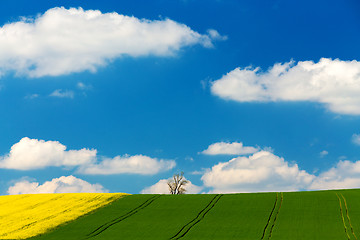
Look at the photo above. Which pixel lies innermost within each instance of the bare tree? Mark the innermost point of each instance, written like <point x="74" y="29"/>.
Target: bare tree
<point x="177" y="184"/>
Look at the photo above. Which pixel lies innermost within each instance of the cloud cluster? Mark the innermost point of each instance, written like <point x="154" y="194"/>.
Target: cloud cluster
<point x="29" y="154"/>
<point x="259" y="172"/>
<point x="225" y="148"/>
<point x="262" y="171"/>
<point x="334" y="83"/>
<point x="69" y="184"/>
<point x="161" y="187"/>
<point x="63" y="41"/>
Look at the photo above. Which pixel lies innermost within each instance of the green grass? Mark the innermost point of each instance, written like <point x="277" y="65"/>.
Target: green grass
<point x="310" y="215"/>
<point x="236" y="216"/>
<point x="290" y="216"/>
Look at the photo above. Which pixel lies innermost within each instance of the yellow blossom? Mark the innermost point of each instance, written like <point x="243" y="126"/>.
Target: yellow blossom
<point x="24" y="216"/>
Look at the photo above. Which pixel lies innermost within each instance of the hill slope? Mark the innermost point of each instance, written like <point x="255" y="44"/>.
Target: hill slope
<point x="293" y="215"/>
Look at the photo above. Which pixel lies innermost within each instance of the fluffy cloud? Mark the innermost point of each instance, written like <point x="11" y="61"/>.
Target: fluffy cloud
<point x="356" y="139"/>
<point x="345" y="175"/>
<point x="161" y="187"/>
<point x="138" y="164"/>
<point x="69" y="184"/>
<point x="234" y="148"/>
<point x="29" y="154"/>
<point x="334" y="83"/>
<point x="63" y="41"/>
<point x="262" y="171"/>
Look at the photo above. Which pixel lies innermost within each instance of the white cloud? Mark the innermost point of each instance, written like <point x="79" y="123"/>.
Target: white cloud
<point x="62" y="93"/>
<point x="323" y="153"/>
<point x="63" y="41"/>
<point x="234" y="148"/>
<point x="262" y="171"/>
<point x="30" y="154"/>
<point x="69" y="184"/>
<point x="138" y="164"/>
<point x="335" y="83"/>
<point x="161" y="187"/>
<point x="345" y="175"/>
<point x="356" y="139"/>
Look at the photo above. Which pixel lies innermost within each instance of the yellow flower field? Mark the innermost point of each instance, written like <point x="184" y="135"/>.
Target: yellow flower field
<point x="24" y="216"/>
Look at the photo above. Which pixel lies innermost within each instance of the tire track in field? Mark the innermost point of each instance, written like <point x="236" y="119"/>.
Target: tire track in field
<point x="105" y="226"/>
<point x="277" y="213"/>
<point x="348" y="216"/>
<point x="342" y="217"/>
<point x="185" y="229"/>
<point x="271" y="213"/>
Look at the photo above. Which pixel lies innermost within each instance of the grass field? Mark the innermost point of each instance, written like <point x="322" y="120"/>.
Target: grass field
<point x="309" y="215"/>
<point x="290" y="215"/>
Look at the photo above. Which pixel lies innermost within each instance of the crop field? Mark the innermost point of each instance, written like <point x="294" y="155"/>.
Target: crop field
<point x="289" y="215"/>
<point x="24" y="216"/>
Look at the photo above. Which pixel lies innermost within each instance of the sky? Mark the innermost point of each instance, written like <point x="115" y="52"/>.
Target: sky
<point x="117" y="96"/>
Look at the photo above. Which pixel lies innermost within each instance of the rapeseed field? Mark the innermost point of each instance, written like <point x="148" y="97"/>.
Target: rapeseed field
<point x="28" y="215"/>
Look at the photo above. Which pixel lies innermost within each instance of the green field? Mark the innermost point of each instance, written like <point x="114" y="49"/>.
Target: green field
<point x="290" y="215"/>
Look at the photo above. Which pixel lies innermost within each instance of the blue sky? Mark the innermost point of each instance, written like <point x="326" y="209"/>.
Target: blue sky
<point x="137" y="98"/>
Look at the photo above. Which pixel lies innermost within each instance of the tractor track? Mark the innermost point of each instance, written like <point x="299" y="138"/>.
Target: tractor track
<point x="271" y="213"/>
<point x="277" y="213"/>
<point x="342" y="217"/>
<point x="185" y="229"/>
<point x="105" y="226"/>
<point x="348" y="216"/>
